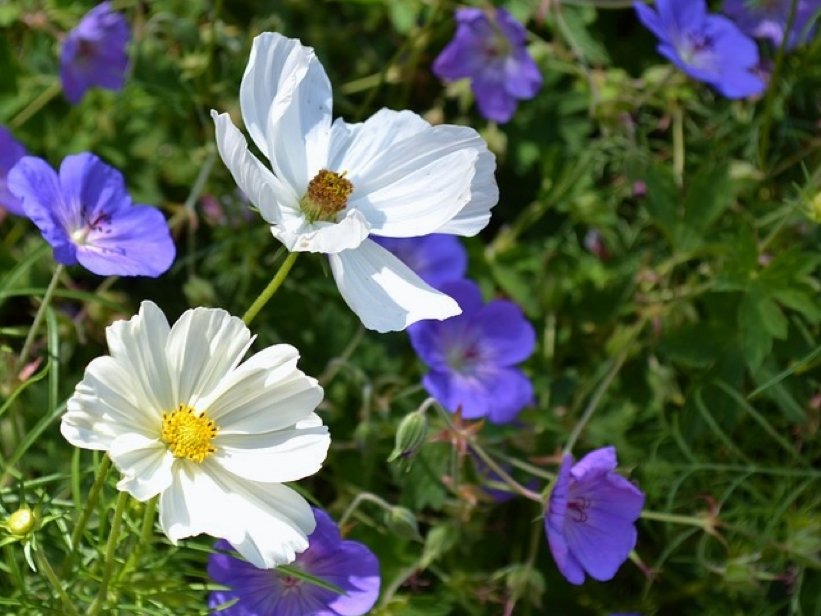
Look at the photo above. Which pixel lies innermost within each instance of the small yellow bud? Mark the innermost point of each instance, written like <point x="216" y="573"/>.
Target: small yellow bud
<point x="813" y="209"/>
<point x="21" y="522"/>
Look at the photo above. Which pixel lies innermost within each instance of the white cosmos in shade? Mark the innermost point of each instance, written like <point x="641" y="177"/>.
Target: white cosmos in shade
<point x="409" y="179"/>
<point x="266" y="430"/>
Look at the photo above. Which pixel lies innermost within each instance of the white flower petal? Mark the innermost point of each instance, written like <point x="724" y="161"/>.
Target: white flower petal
<point x="260" y="185"/>
<point x="204" y="345"/>
<point x="422" y="200"/>
<point x="145" y="464"/>
<point x="264" y="394"/>
<point x="195" y="504"/>
<point x="422" y="182"/>
<point x="107" y="403"/>
<point x="384" y="292"/>
<point x="267" y="523"/>
<point x="299" y="235"/>
<point x="139" y="343"/>
<point x="286" y="81"/>
<point x="484" y="195"/>
<point x="358" y="146"/>
<point x="284" y="455"/>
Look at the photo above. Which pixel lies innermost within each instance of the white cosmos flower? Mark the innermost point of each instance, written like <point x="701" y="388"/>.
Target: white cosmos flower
<point x="334" y="184"/>
<point x="181" y="417"/>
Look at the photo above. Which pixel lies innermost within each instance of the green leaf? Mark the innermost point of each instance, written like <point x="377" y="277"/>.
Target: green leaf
<point x="696" y="344"/>
<point x="801" y="300"/>
<point x="422" y="483"/>
<point x="741" y="262"/>
<point x="662" y="199"/>
<point x="438" y="542"/>
<point x="709" y="195"/>
<point x="756" y="337"/>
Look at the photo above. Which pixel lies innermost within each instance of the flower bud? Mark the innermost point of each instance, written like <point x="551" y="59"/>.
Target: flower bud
<point x="21" y="522"/>
<point x="402" y="522"/>
<point x="410" y="436"/>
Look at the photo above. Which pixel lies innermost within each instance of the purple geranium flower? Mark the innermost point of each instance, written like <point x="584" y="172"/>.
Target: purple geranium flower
<point x="768" y="19"/>
<point x="490" y="51"/>
<point x="472" y="356"/>
<point x="349" y="565"/>
<point x="709" y="48"/>
<point x="436" y="258"/>
<point x="10" y="152"/>
<point x="86" y="215"/>
<point x="94" y="53"/>
<point x="591" y="515"/>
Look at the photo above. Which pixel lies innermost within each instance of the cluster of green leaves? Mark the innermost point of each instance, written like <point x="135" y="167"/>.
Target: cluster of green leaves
<point x="656" y="235"/>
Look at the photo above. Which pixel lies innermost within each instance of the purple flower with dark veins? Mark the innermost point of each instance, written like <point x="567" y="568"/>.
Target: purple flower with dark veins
<point x="591" y="515"/>
<point x="348" y="565"/>
<point x="709" y="48"/>
<point x="10" y="152"/>
<point x="473" y="356"/>
<point x="94" y="53"/>
<point x="490" y="50"/>
<point x="86" y="215"/>
<point x="436" y="258"/>
<point x="768" y="19"/>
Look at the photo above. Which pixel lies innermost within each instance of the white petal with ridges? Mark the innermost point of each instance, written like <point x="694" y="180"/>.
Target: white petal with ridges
<point x="267" y="523"/>
<point x="298" y="125"/>
<point x="384" y="292"/>
<point x="266" y="393"/>
<point x="139" y="344"/>
<point x="108" y="402"/>
<point x="204" y="345"/>
<point x="299" y="235"/>
<point x="260" y="185"/>
<point x="357" y="146"/>
<point x="284" y="455"/>
<point x="422" y="200"/>
<point x="145" y="464"/>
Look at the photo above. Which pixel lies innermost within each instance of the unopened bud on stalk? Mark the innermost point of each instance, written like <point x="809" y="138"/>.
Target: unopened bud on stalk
<point x="21" y="522"/>
<point x="402" y="522"/>
<point x="410" y="435"/>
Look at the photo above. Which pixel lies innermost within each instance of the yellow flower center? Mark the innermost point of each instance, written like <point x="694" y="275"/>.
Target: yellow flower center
<point x="187" y="434"/>
<point x="327" y="195"/>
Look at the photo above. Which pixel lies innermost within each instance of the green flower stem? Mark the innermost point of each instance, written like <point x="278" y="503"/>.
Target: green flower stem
<point x="36" y="105"/>
<point x="272" y="287"/>
<point x="769" y="101"/>
<point x="672" y="518"/>
<point x="145" y="536"/>
<point x="504" y="476"/>
<point x="91" y="503"/>
<point x="38" y="318"/>
<point x="358" y="500"/>
<point x="593" y="404"/>
<point x="110" y="548"/>
<point x="531" y="468"/>
<point x="678" y="145"/>
<point x="11" y="561"/>
<point x="45" y="567"/>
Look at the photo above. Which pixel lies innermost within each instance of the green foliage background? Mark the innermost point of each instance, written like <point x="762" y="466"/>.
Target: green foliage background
<point x="689" y="339"/>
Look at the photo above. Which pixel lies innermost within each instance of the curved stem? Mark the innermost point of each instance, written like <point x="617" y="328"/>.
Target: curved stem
<point x="36" y="105"/>
<point x="503" y="475"/>
<point x="272" y="287"/>
<point x="45" y="566"/>
<point x="145" y="536"/>
<point x="38" y="318"/>
<point x="358" y="500"/>
<point x="93" y="495"/>
<point x="110" y="548"/>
